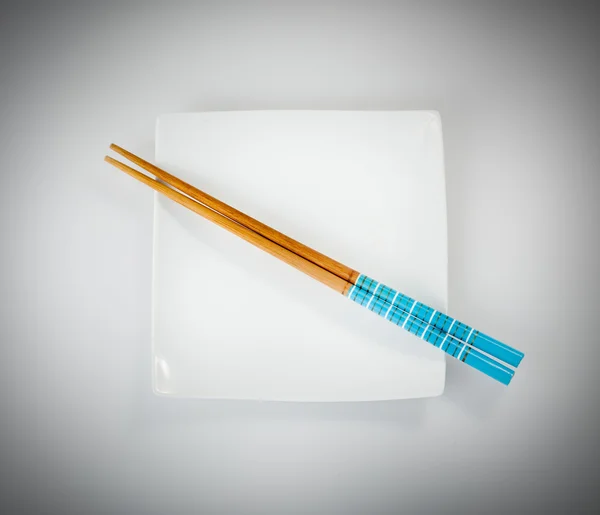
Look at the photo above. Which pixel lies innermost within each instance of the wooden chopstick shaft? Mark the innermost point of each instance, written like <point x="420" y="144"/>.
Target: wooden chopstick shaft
<point x="300" y="263"/>
<point x="275" y="236"/>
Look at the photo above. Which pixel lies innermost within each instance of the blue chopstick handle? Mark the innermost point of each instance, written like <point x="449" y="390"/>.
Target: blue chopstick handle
<point x="433" y="335"/>
<point x="443" y="322"/>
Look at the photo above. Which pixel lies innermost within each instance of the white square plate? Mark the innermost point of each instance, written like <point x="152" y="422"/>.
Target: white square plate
<point x="366" y="188"/>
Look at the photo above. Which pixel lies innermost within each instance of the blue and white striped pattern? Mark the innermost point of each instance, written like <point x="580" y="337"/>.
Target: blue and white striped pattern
<point x="446" y="333"/>
<point x="443" y="322"/>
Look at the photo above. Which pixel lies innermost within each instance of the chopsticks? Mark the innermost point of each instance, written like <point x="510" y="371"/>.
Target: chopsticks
<point x="423" y="312"/>
<point x="452" y="336"/>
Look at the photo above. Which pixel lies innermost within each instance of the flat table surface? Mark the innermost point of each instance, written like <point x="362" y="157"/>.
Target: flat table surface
<point x="80" y="428"/>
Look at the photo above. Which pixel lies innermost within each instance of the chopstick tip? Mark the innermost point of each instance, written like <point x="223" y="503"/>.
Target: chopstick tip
<point x="118" y="149"/>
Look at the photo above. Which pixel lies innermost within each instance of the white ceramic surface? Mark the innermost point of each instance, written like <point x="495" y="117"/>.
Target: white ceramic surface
<point x="366" y="188"/>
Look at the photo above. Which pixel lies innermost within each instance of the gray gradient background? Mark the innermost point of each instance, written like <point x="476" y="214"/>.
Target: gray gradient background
<point x="517" y="86"/>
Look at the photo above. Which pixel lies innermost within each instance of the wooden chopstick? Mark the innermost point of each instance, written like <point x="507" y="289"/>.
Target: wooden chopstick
<point x="321" y="260"/>
<point x="316" y="272"/>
